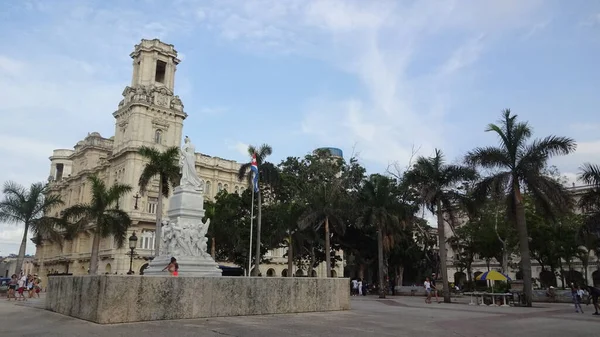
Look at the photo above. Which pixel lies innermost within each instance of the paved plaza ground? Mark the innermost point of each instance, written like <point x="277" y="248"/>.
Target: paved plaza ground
<point x="397" y="316"/>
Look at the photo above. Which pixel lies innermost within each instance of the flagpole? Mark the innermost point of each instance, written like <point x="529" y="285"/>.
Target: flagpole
<point x="251" y="226"/>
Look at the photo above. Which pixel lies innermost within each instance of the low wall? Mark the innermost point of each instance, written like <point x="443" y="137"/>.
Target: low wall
<point x="417" y="291"/>
<point x="562" y="296"/>
<point x="118" y="299"/>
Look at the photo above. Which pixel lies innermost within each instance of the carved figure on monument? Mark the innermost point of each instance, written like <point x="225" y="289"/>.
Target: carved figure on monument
<point x="176" y="104"/>
<point x="141" y="94"/>
<point x="185" y="239"/>
<point x="187" y="163"/>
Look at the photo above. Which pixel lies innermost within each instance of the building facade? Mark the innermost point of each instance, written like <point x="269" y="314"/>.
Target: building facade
<point x="9" y="264"/>
<point x="150" y="114"/>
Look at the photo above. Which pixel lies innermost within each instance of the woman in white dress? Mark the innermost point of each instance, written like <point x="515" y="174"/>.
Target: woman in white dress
<point x="187" y="162"/>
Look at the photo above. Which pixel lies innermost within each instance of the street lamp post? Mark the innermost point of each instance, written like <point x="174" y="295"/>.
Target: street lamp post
<point x="132" y="244"/>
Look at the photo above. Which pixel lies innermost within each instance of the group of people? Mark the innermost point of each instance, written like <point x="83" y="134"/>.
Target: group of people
<point x="18" y="285"/>
<point x="579" y="293"/>
<point x="359" y="288"/>
<point x="430" y="289"/>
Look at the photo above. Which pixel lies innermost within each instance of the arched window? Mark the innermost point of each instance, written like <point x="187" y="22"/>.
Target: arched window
<point x="226" y="187"/>
<point x="207" y="188"/>
<point x="219" y="187"/>
<point x="158" y="136"/>
<point x="237" y="190"/>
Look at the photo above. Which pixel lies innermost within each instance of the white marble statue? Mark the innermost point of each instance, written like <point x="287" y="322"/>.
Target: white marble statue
<point x="187" y="163"/>
<point x="181" y="238"/>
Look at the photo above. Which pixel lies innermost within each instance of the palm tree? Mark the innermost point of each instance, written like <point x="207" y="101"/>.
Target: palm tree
<point x="268" y="174"/>
<point x="521" y="166"/>
<point x="435" y="182"/>
<point x="29" y="207"/>
<point x="379" y="197"/>
<point x="590" y="204"/>
<point x="325" y="197"/>
<point x="165" y="166"/>
<point x="98" y="217"/>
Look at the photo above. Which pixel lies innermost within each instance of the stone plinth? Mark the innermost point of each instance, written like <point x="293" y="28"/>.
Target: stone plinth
<point x="110" y="299"/>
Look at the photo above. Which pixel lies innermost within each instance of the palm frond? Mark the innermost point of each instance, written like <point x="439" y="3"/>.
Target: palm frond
<point x="554" y="146"/>
<point x="165" y="165"/>
<point x="243" y="172"/>
<point x="590" y="200"/>
<point x="495" y="185"/>
<point x="14" y="190"/>
<point x="488" y="157"/>
<point x="454" y="174"/>
<point x="535" y="155"/>
<point x="49" y="229"/>
<point x="116" y="192"/>
<point x="115" y="223"/>
<point x="146" y="176"/>
<point x="263" y="152"/>
<point x="590" y="174"/>
<point x="77" y="212"/>
<point x="550" y="196"/>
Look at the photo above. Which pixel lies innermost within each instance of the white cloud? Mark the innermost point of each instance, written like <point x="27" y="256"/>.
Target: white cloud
<point x="587" y="152"/>
<point x="239" y="148"/>
<point x="464" y="56"/>
<point x="591" y="21"/>
<point x="10" y="240"/>
<point x="213" y="110"/>
<point x="538" y="27"/>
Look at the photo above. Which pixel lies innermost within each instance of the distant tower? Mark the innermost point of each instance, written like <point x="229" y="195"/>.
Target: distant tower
<point x="333" y="151"/>
<point x="150" y="114"/>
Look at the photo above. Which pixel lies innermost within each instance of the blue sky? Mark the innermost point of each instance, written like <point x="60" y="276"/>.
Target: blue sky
<point x="375" y="78"/>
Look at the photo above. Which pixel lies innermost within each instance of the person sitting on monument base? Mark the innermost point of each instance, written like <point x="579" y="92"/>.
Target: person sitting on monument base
<point x="173" y="267"/>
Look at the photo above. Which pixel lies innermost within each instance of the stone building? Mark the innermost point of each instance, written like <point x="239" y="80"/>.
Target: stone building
<point x="9" y="264"/>
<point x="149" y="114"/>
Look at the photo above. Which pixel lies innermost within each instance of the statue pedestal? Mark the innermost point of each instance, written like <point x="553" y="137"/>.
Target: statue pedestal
<point x="184" y="237"/>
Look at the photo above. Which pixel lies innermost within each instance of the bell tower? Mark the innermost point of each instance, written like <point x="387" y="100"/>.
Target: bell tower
<point x="150" y="113"/>
<point x="154" y="64"/>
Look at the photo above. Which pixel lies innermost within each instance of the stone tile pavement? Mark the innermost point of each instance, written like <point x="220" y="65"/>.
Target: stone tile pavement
<point x="397" y="316"/>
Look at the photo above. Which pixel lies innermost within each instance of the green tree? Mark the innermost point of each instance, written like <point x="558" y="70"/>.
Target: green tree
<point x="521" y="166"/>
<point x="268" y="174"/>
<point x="164" y="166"/>
<point x="436" y="182"/>
<point x="325" y="197"/>
<point x="99" y="217"/>
<point x="464" y="246"/>
<point x="29" y="208"/>
<point x="381" y="209"/>
<point x="229" y="216"/>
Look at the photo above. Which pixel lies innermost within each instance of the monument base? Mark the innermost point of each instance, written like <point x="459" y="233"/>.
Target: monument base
<point x="108" y="299"/>
<point x="188" y="266"/>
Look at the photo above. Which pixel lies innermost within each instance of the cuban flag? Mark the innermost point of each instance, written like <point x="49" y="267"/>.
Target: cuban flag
<point x="254" y="168"/>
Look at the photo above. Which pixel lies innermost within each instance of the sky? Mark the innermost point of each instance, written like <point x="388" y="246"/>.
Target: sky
<point x="382" y="80"/>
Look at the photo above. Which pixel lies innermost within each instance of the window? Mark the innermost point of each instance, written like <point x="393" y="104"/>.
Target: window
<point x="207" y="187"/>
<point x="219" y="187"/>
<point x="146" y="240"/>
<point x="237" y="190"/>
<point x="161" y="68"/>
<point x="226" y="187"/>
<point x="59" y="171"/>
<point x="158" y="136"/>
<point x="152" y="205"/>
